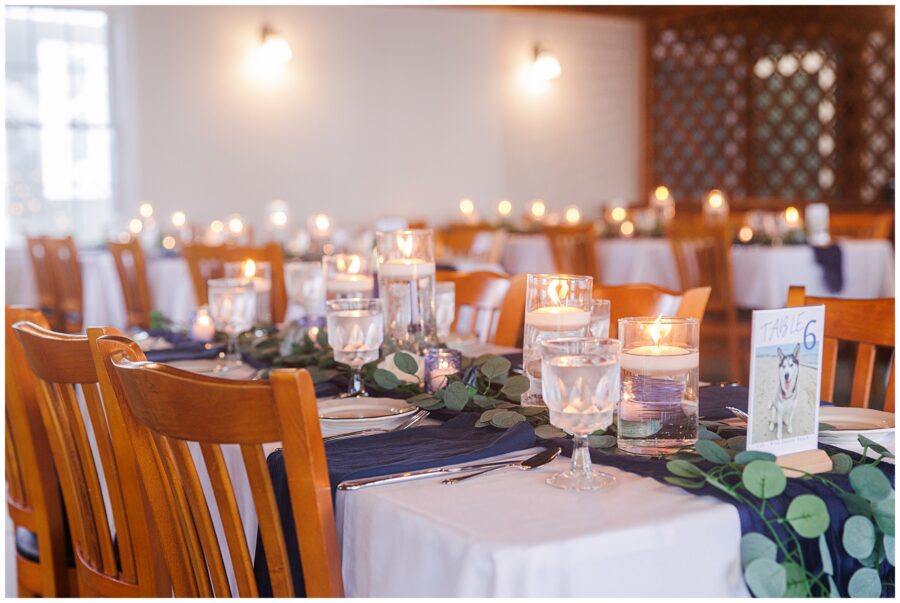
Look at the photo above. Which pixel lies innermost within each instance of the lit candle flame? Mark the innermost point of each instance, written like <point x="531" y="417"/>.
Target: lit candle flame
<point x="355" y="265"/>
<point x="658" y="330"/>
<point x="405" y="243"/>
<point x="249" y="269"/>
<point x="557" y="290"/>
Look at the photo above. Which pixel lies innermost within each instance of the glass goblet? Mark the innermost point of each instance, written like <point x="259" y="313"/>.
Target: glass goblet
<point x="600" y="318"/>
<point x="232" y="305"/>
<point x="355" y="334"/>
<point x="580" y="383"/>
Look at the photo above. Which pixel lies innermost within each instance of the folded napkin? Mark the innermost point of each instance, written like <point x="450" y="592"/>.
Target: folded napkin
<point x="455" y="442"/>
<point x="830" y="258"/>
<point x="183" y="348"/>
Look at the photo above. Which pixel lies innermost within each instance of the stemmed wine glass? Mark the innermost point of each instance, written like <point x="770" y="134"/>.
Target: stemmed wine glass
<point x="581" y="388"/>
<point x="232" y="304"/>
<point x="355" y="334"/>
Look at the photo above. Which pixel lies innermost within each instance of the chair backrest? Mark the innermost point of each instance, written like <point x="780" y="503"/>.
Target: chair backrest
<point x="574" y="249"/>
<point x="861" y="225"/>
<point x="78" y="421"/>
<point x="132" y="268"/>
<point x="208" y="261"/>
<point x="868" y="323"/>
<point x="693" y="303"/>
<point x="479" y="299"/>
<point x="32" y="492"/>
<point x="457" y="240"/>
<point x="636" y="300"/>
<point x="165" y="409"/>
<point x="66" y="271"/>
<point x="511" y="323"/>
<point x="703" y="256"/>
<point x="42" y="267"/>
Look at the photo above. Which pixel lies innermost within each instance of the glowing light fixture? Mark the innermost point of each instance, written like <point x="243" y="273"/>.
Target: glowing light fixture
<point x="618" y="214"/>
<point x="661" y="193"/>
<point x="467" y="207"/>
<point x="217" y="226"/>
<point x="792" y="215"/>
<point x="573" y="214"/>
<point x="745" y="234"/>
<point x="235" y="225"/>
<point x="179" y="219"/>
<point x="538" y="209"/>
<point x="135" y="226"/>
<point x="546" y="65"/>
<point x="146" y="210"/>
<point x="627" y="228"/>
<point x="267" y="60"/>
<point x="168" y="242"/>
<point x="504" y="208"/>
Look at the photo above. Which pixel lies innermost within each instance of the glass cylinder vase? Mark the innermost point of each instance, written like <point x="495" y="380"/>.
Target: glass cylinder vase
<point x="556" y="305"/>
<point x="260" y="274"/>
<point x="406" y="276"/>
<point x="347" y="275"/>
<point x="659" y="408"/>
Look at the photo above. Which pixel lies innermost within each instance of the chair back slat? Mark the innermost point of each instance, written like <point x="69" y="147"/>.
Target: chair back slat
<point x="867" y="324"/>
<point x="208" y="261"/>
<point x="693" y="303"/>
<point x="15" y="488"/>
<point x="511" y="321"/>
<point x="66" y="271"/>
<point x="131" y="267"/>
<point x="166" y="409"/>
<point x="42" y="267"/>
<point x="703" y="257"/>
<point x="574" y="249"/>
<point x="96" y="464"/>
<point x="480" y="295"/>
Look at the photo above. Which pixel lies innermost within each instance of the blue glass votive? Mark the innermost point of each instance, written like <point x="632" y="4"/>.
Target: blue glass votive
<point x="440" y="363"/>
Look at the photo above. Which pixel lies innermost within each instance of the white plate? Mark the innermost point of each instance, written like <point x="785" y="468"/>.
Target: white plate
<point x="213" y="367"/>
<point x="862" y="420"/>
<point x="363" y="411"/>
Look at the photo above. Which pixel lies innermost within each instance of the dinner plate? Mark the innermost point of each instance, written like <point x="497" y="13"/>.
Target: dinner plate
<point x="213" y="367"/>
<point x="363" y="410"/>
<point x="862" y="420"/>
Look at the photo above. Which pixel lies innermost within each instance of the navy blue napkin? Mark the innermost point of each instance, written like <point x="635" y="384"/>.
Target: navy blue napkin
<point x="184" y="348"/>
<point x="831" y="260"/>
<point x="454" y="442"/>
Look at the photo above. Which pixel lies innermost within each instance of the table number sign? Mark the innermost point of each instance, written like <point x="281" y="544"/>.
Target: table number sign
<point x="785" y="365"/>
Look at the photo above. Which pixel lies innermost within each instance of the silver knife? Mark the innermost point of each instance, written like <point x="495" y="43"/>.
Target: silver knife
<point x="356" y="484"/>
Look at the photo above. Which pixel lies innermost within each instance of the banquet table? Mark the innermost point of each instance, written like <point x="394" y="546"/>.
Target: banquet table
<point x="762" y="274"/>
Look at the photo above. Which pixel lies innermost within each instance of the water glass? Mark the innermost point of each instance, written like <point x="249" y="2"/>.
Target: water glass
<point x="659" y="412"/>
<point x="556" y="305"/>
<point x="444" y="308"/>
<point x="260" y="273"/>
<point x="355" y="334"/>
<point x="348" y="275"/>
<point x="305" y="284"/>
<point x="581" y="388"/>
<point x="232" y="305"/>
<point x="600" y="318"/>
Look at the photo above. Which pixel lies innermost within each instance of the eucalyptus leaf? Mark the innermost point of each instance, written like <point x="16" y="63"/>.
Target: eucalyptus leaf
<point x="864" y="583"/>
<point x="797" y="582"/>
<point x="496" y="366"/>
<point x="766" y="578"/>
<point x="888" y="542"/>
<point x="825" y="554"/>
<point x="483" y="401"/>
<point x="738" y="443"/>
<point x="386" y="379"/>
<point x="808" y="515"/>
<point x="532" y="411"/>
<point x="482" y="358"/>
<point x="858" y="537"/>
<point x="406" y="363"/>
<point x="322" y="338"/>
<point x="422" y="396"/>
<point x="548" y="432"/>
<point x="747" y="456"/>
<point x="764" y="479"/>
<point x="515" y="386"/>
<point x="489" y="414"/>
<point x="757" y="546"/>
<point x="706" y="434"/>
<point x="602" y="441"/>
<point x="456" y="395"/>
<point x="685" y="469"/>
<point x="712" y="452"/>
<point x="640" y="429"/>
<point x="841" y="463"/>
<point x="856" y="504"/>
<point x="684" y="483"/>
<point x="883" y="512"/>
<point x="873" y="445"/>
<point x="870" y="483"/>
<point x="506" y="419"/>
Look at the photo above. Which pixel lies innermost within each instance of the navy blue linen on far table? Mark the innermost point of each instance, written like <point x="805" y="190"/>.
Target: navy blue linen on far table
<point x="455" y="442"/>
<point x="831" y="260"/>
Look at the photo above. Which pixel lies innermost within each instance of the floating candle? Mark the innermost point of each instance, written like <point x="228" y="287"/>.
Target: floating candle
<point x="203" y="328"/>
<point x="659" y="359"/>
<point x="350" y="283"/>
<point x="558" y="318"/>
<point x="412" y="268"/>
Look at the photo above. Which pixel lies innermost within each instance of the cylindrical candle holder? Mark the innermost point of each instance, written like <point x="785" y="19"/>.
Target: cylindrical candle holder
<point x="556" y="305"/>
<point x="305" y="286"/>
<point x="406" y="273"/>
<point x="347" y="275"/>
<point x="440" y="363"/>
<point x="659" y="408"/>
<point x="260" y="274"/>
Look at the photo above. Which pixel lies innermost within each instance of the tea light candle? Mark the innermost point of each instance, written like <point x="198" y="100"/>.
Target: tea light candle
<point x="406" y="268"/>
<point x="203" y="328"/>
<point x="558" y="318"/>
<point x="659" y="359"/>
<point x="351" y="283"/>
<point x="440" y="363"/>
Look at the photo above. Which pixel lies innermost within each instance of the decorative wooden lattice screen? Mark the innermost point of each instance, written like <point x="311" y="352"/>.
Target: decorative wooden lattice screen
<point x="768" y="102"/>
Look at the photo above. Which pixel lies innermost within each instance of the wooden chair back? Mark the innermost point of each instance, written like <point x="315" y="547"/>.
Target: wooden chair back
<point x="574" y="249"/>
<point x="132" y="269"/>
<point x="165" y="409"/>
<point x="32" y="492"/>
<point x="703" y="257"/>
<point x="861" y="225"/>
<point x="479" y="299"/>
<point x="208" y="261"/>
<point x="635" y="300"/>
<point x="511" y="323"/>
<point x="66" y="270"/>
<point x="693" y="303"/>
<point x="42" y="267"/>
<point x="868" y="323"/>
<point x="78" y="420"/>
<point x="474" y="242"/>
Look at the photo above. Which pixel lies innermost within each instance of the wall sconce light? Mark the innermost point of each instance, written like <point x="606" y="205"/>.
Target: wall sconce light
<point x="536" y="75"/>
<point x="268" y="59"/>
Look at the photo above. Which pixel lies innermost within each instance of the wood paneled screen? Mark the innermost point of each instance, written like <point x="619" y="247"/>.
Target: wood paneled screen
<point x="773" y="102"/>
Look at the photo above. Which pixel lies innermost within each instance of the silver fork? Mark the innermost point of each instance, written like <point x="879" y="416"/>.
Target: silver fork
<point x="413" y="420"/>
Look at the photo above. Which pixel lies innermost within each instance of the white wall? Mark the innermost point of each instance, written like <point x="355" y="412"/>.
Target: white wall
<point x="383" y="111"/>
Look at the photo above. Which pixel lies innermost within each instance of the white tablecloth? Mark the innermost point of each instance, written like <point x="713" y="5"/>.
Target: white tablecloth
<point x="762" y="275"/>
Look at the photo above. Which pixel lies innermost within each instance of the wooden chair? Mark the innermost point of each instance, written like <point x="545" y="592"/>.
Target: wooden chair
<point x="574" y="249"/>
<point x="861" y="225"/>
<point x="479" y="297"/>
<point x="208" y="261"/>
<point x="129" y="563"/>
<point x="66" y="270"/>
<point x="32" y="494"/>
<point x="511" y="323"/>
<point x="635" y="300"/>
<point x="693" y="303"/>
<point x="474" y="242"/>
<point x="868" y="323"/>
<point x="132" y="269"/>
<point x="703" y="256"/>
<point x="165" y="408"/>
<point x="42" y="268"/>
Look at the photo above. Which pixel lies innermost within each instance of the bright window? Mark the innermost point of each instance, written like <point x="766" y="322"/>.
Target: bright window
<point x="59" y="133"/>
